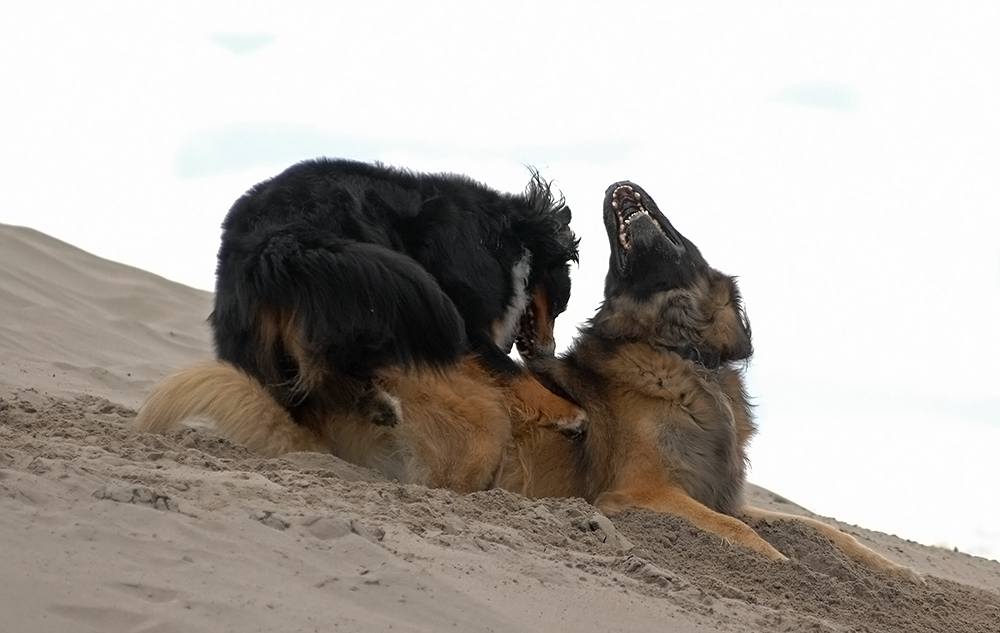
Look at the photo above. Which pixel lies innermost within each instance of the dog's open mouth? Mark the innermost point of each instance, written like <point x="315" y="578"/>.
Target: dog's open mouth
<point x="629" y="205"/>
<point x="526" y="339"/>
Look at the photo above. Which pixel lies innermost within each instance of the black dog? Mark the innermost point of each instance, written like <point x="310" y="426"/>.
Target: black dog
<point x="334" y="269"/>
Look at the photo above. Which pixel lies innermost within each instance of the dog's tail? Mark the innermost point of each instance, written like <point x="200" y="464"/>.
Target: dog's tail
<point x="236" y="405"/>
<point x="301" y="309"/>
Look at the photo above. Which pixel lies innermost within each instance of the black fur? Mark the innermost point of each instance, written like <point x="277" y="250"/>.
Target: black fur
<point x="372" y="266"/>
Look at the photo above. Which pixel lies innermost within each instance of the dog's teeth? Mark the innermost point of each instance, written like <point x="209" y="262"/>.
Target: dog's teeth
<point x="638" y="196"/>
<point x="614" y="204"/>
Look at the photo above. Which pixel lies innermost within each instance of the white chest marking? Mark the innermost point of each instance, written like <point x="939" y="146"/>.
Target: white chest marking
<point x="507" y="330"/>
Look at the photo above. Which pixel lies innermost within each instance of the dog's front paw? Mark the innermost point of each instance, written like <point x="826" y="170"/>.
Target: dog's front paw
<point x="548" y="410"/>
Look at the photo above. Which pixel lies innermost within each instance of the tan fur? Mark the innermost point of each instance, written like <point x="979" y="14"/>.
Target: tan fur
<point x="234" y="402"/>
<point x="463" y="431"/>
<point x="278" y="332"/>
<point x="667" y="433"/>
<point x="461" y="428"/>
<point x="455" y="425"/>
<point x="661" y="495"/>
<point x="847" y="543"/>
<point x="543" y="321"/>
<point x="456" y="431"/>
<point x="541" y="463"/>
<point x="532" y="402"/>
<point x="646" y="389"/>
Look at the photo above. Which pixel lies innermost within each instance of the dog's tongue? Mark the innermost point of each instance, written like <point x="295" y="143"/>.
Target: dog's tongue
<point x="628" y="207"/>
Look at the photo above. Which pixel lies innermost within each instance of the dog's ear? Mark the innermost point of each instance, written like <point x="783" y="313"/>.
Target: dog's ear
<point x="728" y="329"/>
<point x="742" y="348"/>
<point x="544" y="225"/>
<point x="563" y="215"/>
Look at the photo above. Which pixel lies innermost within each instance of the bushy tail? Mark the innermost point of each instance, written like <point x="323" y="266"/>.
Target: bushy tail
<point x="237" y="406"/>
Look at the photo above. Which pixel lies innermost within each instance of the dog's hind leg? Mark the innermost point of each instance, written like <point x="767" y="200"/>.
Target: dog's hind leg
<point x="849" y="545"/>
<point x="668" y="498"/>
<point x="313" y="317"/>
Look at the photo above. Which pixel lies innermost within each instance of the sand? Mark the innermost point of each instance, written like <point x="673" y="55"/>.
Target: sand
<point x="107" y="530"/>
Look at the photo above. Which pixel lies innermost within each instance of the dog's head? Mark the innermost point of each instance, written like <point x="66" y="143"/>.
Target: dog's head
<point x="660" y="289"/>
<point x="547" y="236"/>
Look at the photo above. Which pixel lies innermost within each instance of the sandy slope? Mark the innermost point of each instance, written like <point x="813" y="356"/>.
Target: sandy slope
<point x="107" y="530"/>
<point x="72" y="323"/>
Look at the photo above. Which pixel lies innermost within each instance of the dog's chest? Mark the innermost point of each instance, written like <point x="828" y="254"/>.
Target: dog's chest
<point x="689" y="415"/>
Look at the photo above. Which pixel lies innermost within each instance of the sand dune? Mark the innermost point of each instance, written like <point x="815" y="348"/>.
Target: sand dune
<point x="108" y="530"/>
<point x="71" y="322"/>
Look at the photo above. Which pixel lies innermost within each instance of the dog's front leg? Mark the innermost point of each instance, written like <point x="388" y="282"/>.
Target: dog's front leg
<point x="851" y="547"/>
<point x="534" y="403"/>
<point x="669" y="498"/>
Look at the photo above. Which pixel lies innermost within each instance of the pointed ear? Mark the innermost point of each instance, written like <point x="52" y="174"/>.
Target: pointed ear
<point x="742" y="347"/>
<point x="728" y="330"/>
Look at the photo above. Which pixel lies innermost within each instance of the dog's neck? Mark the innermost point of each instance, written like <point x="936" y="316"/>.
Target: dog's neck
<point x="706" y="358"/>
<point x="600" y="328"/>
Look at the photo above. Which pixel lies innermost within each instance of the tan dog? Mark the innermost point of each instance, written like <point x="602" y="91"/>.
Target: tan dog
<point x="659" y="372"/>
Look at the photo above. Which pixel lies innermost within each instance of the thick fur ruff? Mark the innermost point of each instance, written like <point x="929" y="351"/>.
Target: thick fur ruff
<point x="659" y="372"/>
<point x="335" y="270"/>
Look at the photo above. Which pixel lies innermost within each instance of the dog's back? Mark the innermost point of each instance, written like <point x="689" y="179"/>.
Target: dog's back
<point x="310" y="292"/>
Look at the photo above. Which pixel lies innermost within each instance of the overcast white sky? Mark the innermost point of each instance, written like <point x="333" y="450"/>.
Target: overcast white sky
<point x="842" y="158"/>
